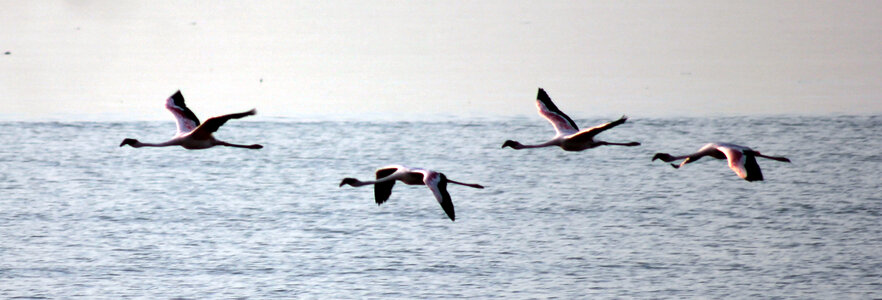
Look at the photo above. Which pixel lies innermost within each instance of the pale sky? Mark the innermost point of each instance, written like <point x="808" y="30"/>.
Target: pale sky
<point x="120" y="60"/>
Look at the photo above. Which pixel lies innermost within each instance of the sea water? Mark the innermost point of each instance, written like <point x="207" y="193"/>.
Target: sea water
<point x="81" y="217"/>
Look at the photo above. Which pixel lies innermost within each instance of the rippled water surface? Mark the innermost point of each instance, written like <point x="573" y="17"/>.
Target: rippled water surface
<point x="83" y="218"/>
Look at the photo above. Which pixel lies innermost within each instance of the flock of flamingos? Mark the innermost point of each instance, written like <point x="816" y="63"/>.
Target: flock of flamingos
<point x="193" y="135"/>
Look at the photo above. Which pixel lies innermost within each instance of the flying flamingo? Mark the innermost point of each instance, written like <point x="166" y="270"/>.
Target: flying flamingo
<point x="191" y="134"/>
<point x="568" y="135"/>
<point x="741" y="159"/>
<point x="386" y="177"/>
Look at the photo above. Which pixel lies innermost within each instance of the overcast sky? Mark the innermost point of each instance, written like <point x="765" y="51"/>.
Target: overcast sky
<point x="119" y="60"/>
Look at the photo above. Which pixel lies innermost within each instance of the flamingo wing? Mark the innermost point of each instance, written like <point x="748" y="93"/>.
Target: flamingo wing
<point x="588" y="134"/>
<point x="383" y="190"/>
<point x="437" y="182"/>
<point x="214" y="123"/>
<point x="753" y="169"/>
<point x="561" y="122"/>
<point x="186" y="119"/>
<point x="743" y="162"/>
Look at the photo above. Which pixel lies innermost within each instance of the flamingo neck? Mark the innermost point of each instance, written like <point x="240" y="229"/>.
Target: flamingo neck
<point x="543" y="145"/>
<point x="163" y="144"/>
<point x="355" y="182"/>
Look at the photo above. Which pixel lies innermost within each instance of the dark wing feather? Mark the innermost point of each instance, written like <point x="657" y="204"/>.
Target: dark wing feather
<point x="753" y="169"/>
<point x="561" y="122"/>
<point x="383" y="190"/>
<point x="445" y="201"/>
<point x="178" y="99"/>
<point x="185" y="118"/>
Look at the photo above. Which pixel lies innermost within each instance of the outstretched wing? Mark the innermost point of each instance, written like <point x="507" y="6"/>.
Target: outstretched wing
<point x="753" y="170"/>
<point x="561" y="122"/>
<point x="588" y="134"/>
<point x="212" y="124"/>
<point x="742" y="161"/>
<point x="437" y="182"/>
<point x="382" y="190"/>
<point x="186" y="119"/>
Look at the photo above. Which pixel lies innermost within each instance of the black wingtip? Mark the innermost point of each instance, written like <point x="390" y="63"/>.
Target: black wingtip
<point x="542" y="95"/>
<point x="754" y="173"/>
<point x="177" y="96"/>
<point x="450" y="213"/>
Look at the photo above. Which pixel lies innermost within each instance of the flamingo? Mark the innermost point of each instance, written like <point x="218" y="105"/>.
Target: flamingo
<point x="568" y="136"/>
<point x="192" y="135"/>
<point x="741" y="159"/>
<point x="435" y="181"/>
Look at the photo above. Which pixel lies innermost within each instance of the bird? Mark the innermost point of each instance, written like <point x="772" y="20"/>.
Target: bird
<point x="741" y="159"/>
<point x="568" y="137"/>
<point x="191" y="134"/>
<point x="435" y="181"/>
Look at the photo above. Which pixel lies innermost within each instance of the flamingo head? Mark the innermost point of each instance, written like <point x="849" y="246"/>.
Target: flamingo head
<point x="350" y="181"/>
<point x="663" y="156"/>
<point x="130" y="142"/>
<point x="512" y="144"/>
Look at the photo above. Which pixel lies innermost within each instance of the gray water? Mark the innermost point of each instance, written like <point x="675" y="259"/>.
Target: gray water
<point x="83" y="218"/>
